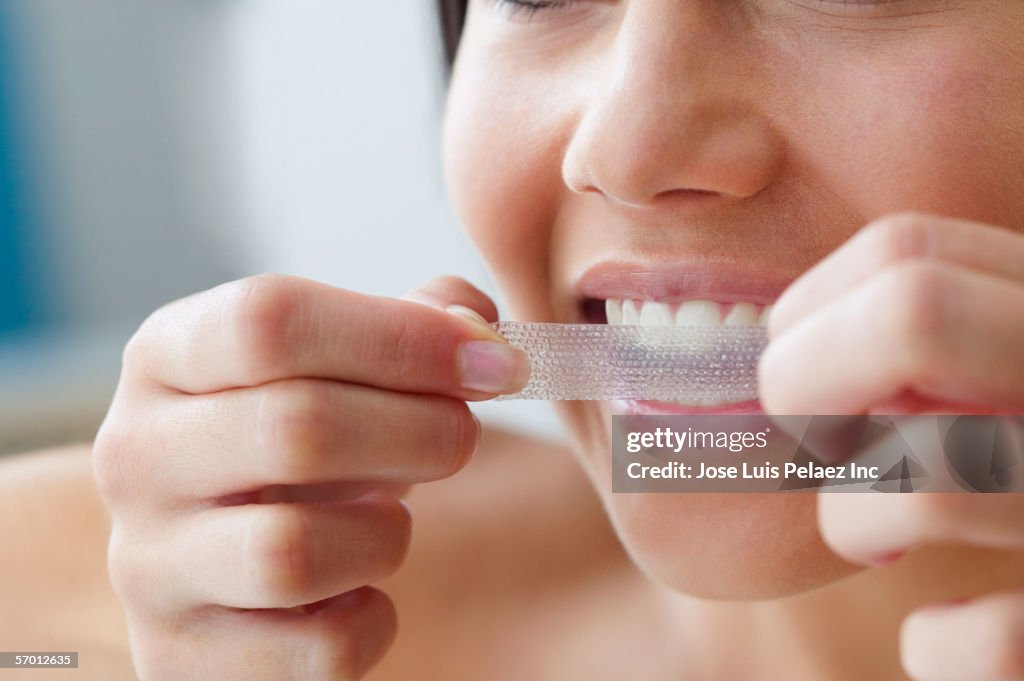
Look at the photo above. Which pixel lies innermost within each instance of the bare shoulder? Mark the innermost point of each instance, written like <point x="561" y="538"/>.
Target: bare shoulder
<point x="522" y="506"/>
<point x="54" y="589"/>
<point x="516" y="541"/>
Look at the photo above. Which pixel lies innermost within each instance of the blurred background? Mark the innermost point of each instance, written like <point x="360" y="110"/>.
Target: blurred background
<point x="153" y="148"/>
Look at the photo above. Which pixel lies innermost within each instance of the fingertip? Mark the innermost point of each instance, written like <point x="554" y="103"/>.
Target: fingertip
<point x="481" y="327"/>
<point x="855" y="526"/>
<point x="930" y="645"/>
<point x="467" y="312"/>
<point x="446" y="291"/>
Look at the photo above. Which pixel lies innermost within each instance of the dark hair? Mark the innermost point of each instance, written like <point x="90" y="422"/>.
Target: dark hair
<point x="452" y="14"/>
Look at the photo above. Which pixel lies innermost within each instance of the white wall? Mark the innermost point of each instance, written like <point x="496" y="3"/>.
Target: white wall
<point x="340" y="108"/>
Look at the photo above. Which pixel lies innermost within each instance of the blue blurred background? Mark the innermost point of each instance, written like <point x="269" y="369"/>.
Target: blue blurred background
<point x="153" y="148"/>
<point x="22" y="304"/>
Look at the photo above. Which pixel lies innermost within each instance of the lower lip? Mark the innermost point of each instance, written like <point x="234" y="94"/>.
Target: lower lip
<point x="632" y="407"/>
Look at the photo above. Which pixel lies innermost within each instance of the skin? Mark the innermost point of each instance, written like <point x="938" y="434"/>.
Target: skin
<point x="769" y="134"/>
<point x="271" y="438"/>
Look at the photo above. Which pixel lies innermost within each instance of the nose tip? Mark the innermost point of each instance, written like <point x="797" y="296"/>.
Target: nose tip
<point x="675" y="113"/>
<point x="644" y="164"/>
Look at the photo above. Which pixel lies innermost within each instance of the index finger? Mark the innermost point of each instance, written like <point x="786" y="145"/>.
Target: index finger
<point x="272" y="327"/>
<point x="894" y="239"/>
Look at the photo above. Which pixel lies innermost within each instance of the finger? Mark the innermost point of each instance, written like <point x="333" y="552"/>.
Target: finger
<point x="893" y="240"/>
<point x="980" y="640"/>
<point x="946" y="333"/>
<point x="304" y="431"/>
<point x="342" y="638"/>
<point x="873" y="529"/>
<point x="455" y="292"/>
<point x="266" y="555"/>
<point x="272" y="327"/>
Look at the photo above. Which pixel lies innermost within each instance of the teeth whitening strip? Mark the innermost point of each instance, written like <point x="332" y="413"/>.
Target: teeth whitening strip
<point x="696" y="364"/>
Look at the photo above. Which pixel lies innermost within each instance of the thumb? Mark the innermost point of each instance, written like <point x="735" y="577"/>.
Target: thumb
<point x="455" y="295"/>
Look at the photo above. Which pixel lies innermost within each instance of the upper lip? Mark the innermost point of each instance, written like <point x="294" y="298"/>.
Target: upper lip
<point x="723" y="280"/>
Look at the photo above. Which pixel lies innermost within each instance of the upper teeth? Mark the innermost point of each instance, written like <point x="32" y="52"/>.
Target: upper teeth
<point x="689" y="313"/>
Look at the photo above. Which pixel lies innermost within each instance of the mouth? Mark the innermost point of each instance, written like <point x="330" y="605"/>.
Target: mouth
<point x="694" y="312"/>
<point x="689" y="294"/>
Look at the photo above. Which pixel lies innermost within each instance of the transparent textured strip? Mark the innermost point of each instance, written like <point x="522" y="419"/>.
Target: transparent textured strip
<point x="602" y="362"/>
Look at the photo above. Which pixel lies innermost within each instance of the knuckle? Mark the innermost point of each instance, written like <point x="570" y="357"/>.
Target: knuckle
<point x="914" y="293"/>
<point x="279" y="560"/>
<point x="111" y="455"/>
<point x="293" y="422"/>
<point x="145" y="342"/>
<point x="901" y="236"/>
<point x="128" y="576"/>
<point x="136" y="348"/>
<point x="258" y="316"/>
<point x="404" y="351"/>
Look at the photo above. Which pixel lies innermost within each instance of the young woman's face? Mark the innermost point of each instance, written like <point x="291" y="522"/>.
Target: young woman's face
<point x="675" y="150"/>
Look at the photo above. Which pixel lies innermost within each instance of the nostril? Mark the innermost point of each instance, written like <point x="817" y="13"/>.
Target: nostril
<point x="683" y="193"/>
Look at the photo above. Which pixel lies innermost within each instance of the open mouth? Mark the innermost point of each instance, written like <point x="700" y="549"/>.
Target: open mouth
<point x="683" y="313"/>
<point x="689" y="291"/>
<point x="617" y="311"/>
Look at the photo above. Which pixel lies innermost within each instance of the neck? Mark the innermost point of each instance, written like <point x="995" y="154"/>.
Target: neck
<point x="846" y="630"/>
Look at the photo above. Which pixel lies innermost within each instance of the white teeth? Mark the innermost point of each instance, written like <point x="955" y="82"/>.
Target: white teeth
<point x="613" y="311"/>
<point x="698" y="313"/>
<point x="630" y="313"/>
<point x="655" y="314"/>
<point x="741" y="314"/>
<point x="689" y="313"/>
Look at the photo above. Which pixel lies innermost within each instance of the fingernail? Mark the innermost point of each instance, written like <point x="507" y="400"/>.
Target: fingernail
<point x="467" y="312"/>
<point x="492" y="367"/>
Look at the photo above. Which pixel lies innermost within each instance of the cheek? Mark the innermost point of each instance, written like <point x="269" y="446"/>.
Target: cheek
<point x="502" y="156"/>
<point x="937" y="128"/>
<point x="961" y="151"/>
<point x="975" y="113"/>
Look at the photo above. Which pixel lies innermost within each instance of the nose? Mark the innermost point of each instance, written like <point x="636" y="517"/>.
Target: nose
<point x="673" y="110"/>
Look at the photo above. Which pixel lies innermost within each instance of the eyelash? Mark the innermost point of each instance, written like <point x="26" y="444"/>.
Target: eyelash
<point x="528" y="8"/>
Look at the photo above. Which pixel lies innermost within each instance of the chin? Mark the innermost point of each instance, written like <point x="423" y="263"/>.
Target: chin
<point x="731" y="546"/>
<point x="727" y="546"/>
